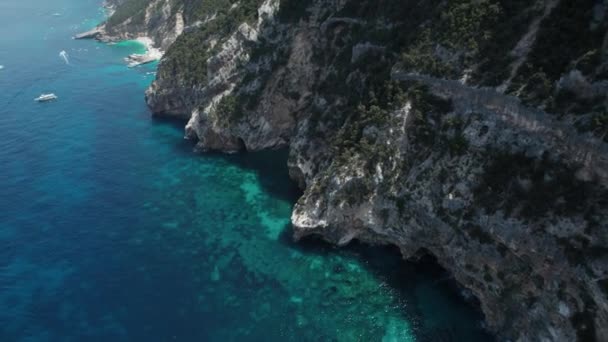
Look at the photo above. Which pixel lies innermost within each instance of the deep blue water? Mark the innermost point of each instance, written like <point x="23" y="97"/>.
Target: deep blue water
<point x="112" y="229"/>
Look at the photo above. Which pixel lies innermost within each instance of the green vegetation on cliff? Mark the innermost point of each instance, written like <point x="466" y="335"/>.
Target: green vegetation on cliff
<point x="130" y="9"/>
<point x="465" y="34"/>
<point x="204" y="9"/>
<point x="532" y="186"/>
<point x="571" y="22"/>
<point x="188" y="56"/>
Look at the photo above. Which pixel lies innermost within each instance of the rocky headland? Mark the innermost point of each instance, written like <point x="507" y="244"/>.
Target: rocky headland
<point x="472" y="131"/>
<point x="156" y="27"/>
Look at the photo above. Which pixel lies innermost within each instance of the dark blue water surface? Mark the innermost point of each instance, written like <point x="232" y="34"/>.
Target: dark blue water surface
<point x="111" y="229"/>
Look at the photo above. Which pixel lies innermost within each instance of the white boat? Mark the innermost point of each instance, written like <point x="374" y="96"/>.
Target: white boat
<point x="46" y="97"/>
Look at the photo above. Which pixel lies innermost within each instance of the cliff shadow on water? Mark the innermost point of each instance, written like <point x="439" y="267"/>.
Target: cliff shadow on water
<point x="269" y="166"/>
<point x="437" y="306"/>
<point x="271" y="170"/>
<point x="354" y="280"/>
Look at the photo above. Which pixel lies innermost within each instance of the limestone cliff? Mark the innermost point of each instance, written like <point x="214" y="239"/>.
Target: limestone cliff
<point x="160" y="20"/>
<point x="474" y="131"/>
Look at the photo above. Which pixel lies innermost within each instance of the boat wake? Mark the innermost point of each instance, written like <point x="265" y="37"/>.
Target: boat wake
<point x="64" y="55"/>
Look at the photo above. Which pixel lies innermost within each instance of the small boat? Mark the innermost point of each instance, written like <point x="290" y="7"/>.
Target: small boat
<point x="46" y="97"/>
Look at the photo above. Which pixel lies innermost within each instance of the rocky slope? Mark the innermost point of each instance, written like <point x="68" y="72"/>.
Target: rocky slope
<point x="162" y="21"/>
<point x="474" y="131"/>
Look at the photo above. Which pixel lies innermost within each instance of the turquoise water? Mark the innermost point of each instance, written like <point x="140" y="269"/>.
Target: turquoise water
<point x="112" y="229"/>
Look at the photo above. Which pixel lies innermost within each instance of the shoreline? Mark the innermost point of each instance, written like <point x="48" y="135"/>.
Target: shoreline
<point x="152" y="53"/>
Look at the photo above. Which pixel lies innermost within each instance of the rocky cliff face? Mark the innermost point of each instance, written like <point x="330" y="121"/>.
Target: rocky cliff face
<point x="162" y="21"/>
<point x="474" y="131"/>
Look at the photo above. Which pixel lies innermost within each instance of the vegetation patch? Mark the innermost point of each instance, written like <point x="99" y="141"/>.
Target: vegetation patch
<point x="535" y="187"/>
<point x="134" y="9"/>
<point x="466" y="34"/>
<point x="549" y="60"/>
<point x="596" y="123"/>
<point x="584" y="324"/>
<point x="355" y="191"/>
<point x="293" y="11"/>
<point x="603" y="283"/>
<point x="477" y="233"/>
<point x="228" y="108"/>
<point x="187" y="58"/>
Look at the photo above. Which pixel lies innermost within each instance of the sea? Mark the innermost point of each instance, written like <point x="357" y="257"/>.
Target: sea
<point x="113" y="229"/>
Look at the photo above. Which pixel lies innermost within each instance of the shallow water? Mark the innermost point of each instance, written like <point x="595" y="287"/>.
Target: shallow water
<point x="112" y="229"/>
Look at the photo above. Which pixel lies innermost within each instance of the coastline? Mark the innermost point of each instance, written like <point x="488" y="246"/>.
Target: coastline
<point x="152" y="53"/>
<point x="99" y="33"/>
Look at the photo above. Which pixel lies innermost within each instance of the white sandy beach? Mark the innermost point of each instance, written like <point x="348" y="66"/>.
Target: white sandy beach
<point x="152" y="53"/>
<point x="151" y="50"/>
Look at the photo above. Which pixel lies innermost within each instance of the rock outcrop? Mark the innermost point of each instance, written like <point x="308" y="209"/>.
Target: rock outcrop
<point x="158" y="20"/>
<point x="458" y="129"/>
<point x="156" y="23"/>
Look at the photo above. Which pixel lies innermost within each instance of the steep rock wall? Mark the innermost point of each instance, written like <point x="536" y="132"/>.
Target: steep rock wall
<point x="400" y="133"/>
